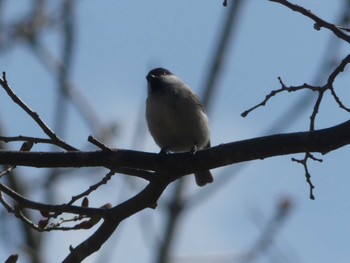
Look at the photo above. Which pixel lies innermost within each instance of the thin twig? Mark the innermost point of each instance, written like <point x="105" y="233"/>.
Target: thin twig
<point x="321" y="91"/>
<point x="52" y="227"/>
<point x="7" y="171"/>
<point x="315" y="110"/>
<point x="277" y="91"/>
<point x="26" y="203"/>
<point x="319" y="22"/>
<point x="20" y="138"/>
<point x="8" y="207"/>
<point x="303" y="162"/>
<point x="312" y="157"/>
<point x="338" y="101"/>
<point x="331" y="79"/>
<point x="339" y="69"/>
<point x="34" y="115"/>
<point x="99" y="144"/>
<point x="92" y="188"/>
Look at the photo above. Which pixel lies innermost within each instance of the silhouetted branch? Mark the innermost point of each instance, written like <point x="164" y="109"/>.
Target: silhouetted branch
<point x="92" y="188"/>
<point x="146" y="198"/>
<point x="277" y="91"/>
<point x="160" y="172"/>
<point x="180" y="164"/>
<point x="321" y="91"/>
<point x="319" y="22"/>
<point x="34" y="115"/>
<point x="172" y="167"/>
<point x="307" y="173"/>
<point x="26" y="203"/>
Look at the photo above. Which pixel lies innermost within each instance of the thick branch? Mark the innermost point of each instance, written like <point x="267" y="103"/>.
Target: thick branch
<point x="142" y="200"/>
<point x="322" y="141"/>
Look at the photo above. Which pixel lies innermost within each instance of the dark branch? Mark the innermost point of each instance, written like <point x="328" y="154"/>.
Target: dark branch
<point x="339" y="69"/>
<point x="34" y="116"/>
<point x="21" y="138"/>
<point x="331" y="79"/>
<point x="322" y="141"/>
<point x="280" y="90"/>
<point x="25" y="203"/>
<point x="319" y="22"/>
<point x="92" y="188"/>
<point x="303" y="162"/>
<point x="146" y="198"/>
<point x="329" y="85"/>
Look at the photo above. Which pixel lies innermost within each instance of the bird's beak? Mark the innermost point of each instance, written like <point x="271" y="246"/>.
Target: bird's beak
<point x="150" y="76"/>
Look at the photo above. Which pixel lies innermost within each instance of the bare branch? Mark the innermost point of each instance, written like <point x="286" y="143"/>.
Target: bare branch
<point x="34" y="115"/>
<point x="35" y="140"/>
<point x="7" y="171"/>
<point x="315" y="110"/>
<point x="179" y="164"/>
<point x="99" y="144"/>
<point x="321" y="91"/>
<point x="303" y="162"/>
<point x="339" y="69"/>
<point x="92" y="188"/>
<point x="25" y="203"/>
<point x="145" y="199"/>
<point x="282" y="89"/>
<point x="319" y="22"/>
<point x="331" y="79"/>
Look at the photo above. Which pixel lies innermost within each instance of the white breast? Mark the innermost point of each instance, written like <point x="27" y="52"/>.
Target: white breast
<point x="176" y="121"/>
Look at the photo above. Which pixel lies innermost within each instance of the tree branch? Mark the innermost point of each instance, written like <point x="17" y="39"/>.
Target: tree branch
<point x="146" y="198"/>
<point x="34" y="115"/>
<point x="179" y="164"/>
<point x="338" y="31"/>
<point x="26" y="203"/>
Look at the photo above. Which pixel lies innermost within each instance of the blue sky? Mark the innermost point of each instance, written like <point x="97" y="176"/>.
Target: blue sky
<point x="118" y="42"/>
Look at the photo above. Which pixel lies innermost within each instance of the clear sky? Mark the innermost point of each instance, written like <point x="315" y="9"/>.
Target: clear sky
<point x="118" y="42"/>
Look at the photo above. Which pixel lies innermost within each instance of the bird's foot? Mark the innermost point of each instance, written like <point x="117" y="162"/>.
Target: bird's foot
<point x="194" y="149"/>
<point x="164" y="151"/>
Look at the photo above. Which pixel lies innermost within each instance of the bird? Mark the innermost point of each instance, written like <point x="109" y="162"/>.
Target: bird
<point x="176" y="118"/>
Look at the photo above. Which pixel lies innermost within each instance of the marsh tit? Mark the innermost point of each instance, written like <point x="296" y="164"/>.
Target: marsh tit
<point x="176" y="119"/>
